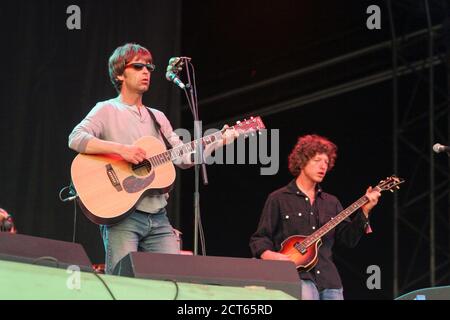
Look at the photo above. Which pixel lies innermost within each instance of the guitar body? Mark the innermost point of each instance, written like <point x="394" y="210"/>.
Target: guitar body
<point x="109" y="187"/>
<point x="304" y="261"/>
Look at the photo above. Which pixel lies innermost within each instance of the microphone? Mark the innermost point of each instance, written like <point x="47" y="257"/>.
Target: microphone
<point x="175" y="65"/>
<point x="440" y="148"/>
<point x="178" y="62"/>
<point x="172" y="77"/>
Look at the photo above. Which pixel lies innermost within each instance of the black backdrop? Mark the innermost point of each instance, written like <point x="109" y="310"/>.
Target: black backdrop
<point x="53" y="76"/>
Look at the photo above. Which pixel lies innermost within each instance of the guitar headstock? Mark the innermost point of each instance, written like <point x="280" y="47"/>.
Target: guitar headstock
<point x="391" y="183"/>
<point x="249" y="126"/>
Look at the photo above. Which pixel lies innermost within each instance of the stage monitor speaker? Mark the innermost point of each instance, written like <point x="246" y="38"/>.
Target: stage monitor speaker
<point x="433" y="293"/>
<point x="241" y="272"/>
<point x="42" y="251"/>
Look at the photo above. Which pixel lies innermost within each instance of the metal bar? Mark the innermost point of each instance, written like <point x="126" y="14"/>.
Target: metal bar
<point x="422" y="196"/>
<point x="420" y="118"/>
<point x="329" y="92"/>
<point x="317" y="66"/>
<point x="430" y="150"/>
<point x="421" y="154"/>
<point x="440" y="249"/>
<point x="395" y="146"/>
<point x="407" y="285"/>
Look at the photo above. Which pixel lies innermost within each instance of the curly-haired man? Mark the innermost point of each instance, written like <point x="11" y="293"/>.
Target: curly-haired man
<point x="302" y="207"/>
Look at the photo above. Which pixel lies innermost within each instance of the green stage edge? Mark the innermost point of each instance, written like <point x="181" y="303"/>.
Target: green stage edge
<point x="21" y="281"/>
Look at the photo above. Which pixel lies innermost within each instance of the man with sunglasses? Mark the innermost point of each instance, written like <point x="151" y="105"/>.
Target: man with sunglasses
<point x="112" y="126"/>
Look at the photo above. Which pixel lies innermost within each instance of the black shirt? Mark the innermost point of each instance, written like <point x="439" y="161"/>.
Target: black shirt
<point x="288" y="212"/>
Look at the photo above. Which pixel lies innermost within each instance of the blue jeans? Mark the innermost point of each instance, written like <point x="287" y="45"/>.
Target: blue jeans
<point x="310" y="292"/>
<point x="140" y="231"/>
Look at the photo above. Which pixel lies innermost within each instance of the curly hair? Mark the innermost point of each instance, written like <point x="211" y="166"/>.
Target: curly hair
<point x="121" y="57"/>
<point x="306" y="148"/>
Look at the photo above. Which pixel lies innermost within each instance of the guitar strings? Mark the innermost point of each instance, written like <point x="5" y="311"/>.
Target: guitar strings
<point x="154" y="160"/>
<point x="166" y="153"/>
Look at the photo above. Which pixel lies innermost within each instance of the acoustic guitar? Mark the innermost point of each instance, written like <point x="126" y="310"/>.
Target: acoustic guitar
<point x="109" y="187"/>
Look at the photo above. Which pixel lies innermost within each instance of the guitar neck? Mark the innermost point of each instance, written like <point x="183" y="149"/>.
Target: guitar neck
<point x="252" y="124"/>
<point x="327" y="227"/>
<point x="178" y="152"/>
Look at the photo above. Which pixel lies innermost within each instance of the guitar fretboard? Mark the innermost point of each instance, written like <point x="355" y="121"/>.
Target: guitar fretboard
<point x="302" y="246"/>
<point x="178" y="152"/>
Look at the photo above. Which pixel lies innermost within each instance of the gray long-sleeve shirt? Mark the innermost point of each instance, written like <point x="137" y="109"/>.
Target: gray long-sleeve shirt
<point x="115" y="121"/>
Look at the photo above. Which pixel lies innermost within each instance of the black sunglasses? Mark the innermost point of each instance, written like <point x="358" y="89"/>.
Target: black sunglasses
<point x="138" y="66"/>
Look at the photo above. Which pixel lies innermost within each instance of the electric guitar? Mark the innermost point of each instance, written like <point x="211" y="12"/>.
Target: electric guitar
<point x="303" y="250"/>
<point x="109" y="187"/>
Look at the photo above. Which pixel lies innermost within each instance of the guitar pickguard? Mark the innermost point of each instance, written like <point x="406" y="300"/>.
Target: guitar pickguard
<point x="133" y="184"/>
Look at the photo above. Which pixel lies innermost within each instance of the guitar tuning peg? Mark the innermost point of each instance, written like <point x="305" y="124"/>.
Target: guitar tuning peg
<point x="391" y="190"/>
<point x="259" y="132"/>
<point x="238" y="122"/>
<point x="251" y="118"/>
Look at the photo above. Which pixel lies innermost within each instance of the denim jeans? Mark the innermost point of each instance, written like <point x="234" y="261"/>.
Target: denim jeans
<point x="140" y="231"/>
<point x="310" y="292"/>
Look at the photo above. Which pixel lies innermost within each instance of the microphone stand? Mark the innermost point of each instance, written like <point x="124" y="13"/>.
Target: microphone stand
<point x="199" y="156"/>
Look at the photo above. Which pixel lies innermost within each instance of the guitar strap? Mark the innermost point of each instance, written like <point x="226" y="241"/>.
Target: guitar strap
<point x="158" y="128"/>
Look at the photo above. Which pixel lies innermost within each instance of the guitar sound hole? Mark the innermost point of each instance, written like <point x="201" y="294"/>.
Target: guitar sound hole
<point x="142" y="169"/>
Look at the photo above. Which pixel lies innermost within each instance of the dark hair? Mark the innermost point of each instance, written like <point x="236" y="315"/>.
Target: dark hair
<point x="121" y="57"/>
<point x="306" y="148"/>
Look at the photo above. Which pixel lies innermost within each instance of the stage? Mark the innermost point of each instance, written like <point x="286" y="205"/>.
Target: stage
<point x="23" y="281"/>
